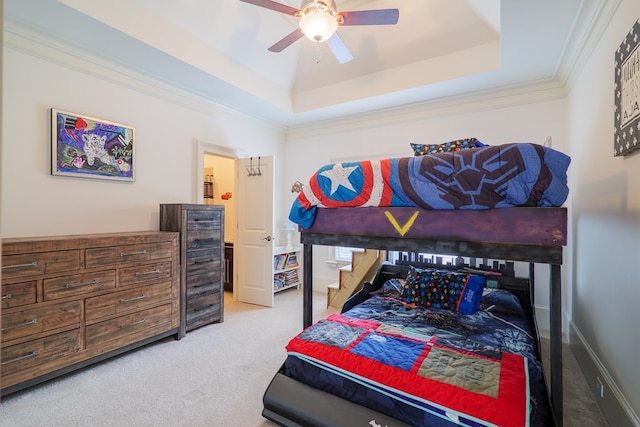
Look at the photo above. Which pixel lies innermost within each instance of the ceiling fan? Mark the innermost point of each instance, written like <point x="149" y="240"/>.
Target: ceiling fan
<point x="319" y="20"/>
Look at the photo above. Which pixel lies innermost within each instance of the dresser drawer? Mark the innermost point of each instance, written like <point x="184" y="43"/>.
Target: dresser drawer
<point x="207" y="262"/>
<point x="129" y="328"/>
<point x="99" y="257"/>
<point x="145" y="273"/>
<point x="37" y="320"/>
<point x="203" y="219"/>
<point x="203" y="309"/>
<point x="124" y="301"/>
<point x="23" y="265"/>
<point x="199" y="240"/>
<point x="203" y="283"/>
<point x="35" y="353"/>
<point x="17" y="294"/>
<point x="78" y="284"/>
<point x="203" y="230"/>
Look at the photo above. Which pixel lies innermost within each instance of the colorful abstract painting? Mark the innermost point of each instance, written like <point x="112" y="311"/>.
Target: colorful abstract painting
<point x="87" y="147"/>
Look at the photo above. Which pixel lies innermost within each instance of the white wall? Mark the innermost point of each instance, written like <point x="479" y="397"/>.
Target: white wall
<point x="34" y="203"/>
<point x="605" y="213"/>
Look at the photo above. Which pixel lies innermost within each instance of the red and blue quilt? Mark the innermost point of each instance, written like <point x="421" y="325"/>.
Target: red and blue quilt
<point x="425" y="366"/>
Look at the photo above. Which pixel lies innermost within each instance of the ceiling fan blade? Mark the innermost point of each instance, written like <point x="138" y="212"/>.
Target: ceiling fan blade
<point x="287" y="41"/>
<point x="278" y="7"/>
<point x="370" y="17"/>
<point x="339" y="49"/>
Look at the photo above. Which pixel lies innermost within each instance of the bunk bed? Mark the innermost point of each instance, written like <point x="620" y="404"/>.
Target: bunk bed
<point x="533" y="231"/>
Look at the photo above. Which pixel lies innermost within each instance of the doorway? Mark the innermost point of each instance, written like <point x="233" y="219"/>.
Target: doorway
<point x="251" y="232"/>
<point x="219" y="186"/>
<point x="215" y="184"/>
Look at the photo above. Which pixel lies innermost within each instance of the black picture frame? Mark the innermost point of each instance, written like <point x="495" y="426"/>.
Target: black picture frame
<point x="627" y="94"/>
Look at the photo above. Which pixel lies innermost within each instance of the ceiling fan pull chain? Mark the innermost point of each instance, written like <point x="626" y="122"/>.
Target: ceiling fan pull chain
<point x="317" y="52"/>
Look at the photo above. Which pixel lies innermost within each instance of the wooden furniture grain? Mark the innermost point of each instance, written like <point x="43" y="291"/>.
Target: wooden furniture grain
<point x="201" y="230"/>
<point x="70" y="301"/>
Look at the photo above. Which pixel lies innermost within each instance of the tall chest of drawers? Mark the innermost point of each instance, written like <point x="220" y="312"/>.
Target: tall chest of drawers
<point x="201" y="229"/>
<point x="70" y="301"/>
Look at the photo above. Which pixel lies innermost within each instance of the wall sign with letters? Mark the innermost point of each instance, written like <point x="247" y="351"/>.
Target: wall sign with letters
<point x="627" y="94"/>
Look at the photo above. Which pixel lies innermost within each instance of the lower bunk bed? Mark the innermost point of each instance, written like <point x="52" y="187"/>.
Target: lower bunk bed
<point x="386" y="361"/>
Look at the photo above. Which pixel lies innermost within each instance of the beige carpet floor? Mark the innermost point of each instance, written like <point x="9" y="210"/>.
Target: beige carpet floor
<point x="215" y="376"/>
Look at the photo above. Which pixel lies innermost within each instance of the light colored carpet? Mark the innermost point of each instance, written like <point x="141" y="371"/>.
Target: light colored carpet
<point x="579" y="406"/>
<point x="215" y="376"/>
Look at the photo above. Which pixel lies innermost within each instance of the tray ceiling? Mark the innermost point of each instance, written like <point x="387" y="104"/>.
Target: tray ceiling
<point x="217" y="50"/>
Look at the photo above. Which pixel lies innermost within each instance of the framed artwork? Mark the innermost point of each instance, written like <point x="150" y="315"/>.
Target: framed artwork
<point x="87" y="147"/>
<point x="627" y="94"/>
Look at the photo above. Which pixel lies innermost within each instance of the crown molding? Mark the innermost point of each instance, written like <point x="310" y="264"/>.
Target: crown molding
<point x="505" y="97"/>
<point x="30" y="41"/>
<point x="588" y="27"/>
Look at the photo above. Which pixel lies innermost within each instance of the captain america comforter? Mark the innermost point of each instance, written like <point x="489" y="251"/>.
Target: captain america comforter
<point x="488" y="177"/>
<point x="425" y="366"/>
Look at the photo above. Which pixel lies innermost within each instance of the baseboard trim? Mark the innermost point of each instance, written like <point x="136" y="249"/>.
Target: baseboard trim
<point x="614" y="406"/>
<point x="543" y="319"/>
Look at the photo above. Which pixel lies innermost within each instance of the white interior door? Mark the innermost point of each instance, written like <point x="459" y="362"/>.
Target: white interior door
<point x="253" y="247"/>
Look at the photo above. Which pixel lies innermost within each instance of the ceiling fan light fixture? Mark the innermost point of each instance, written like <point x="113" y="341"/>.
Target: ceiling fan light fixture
<point x="318" y="20"/>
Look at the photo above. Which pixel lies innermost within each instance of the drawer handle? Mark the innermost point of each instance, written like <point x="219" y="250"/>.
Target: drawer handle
<point x="134" y="323"/>
<point x="21" y="325"/>
<point x="29" y="264"/>
<point x="197" y="310"/>
<point x="202" y="220"/>
<point x="144" y="273"/>
<point x="133" y="253"/>
<point x="17" y="359"/>
<point x="203" y="262"/>
<point x="7" y="296"/>
<point x="79" y="285"/>
<point x="204" y="240"/>
<point x="204" y="284"/>
<point x="123" y="300"/>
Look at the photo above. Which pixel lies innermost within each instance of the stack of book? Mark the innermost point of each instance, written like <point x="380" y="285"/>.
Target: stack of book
<point x="285" y="279"/>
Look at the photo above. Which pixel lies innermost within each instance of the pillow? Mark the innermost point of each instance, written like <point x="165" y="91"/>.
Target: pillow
<point x="446" y="147"/>
<point x="501" y="300"/>
<point x="391" y="287"/>
<point x="443" y="289"/>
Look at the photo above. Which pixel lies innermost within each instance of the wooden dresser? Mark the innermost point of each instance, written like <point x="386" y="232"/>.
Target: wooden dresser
<point x="70" y="301"/>
<point x="201" y="230"/>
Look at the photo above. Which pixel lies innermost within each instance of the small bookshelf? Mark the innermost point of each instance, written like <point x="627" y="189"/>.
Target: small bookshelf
<point x="286" y="268"/>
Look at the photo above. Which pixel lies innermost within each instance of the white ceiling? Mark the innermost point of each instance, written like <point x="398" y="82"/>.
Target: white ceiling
<point x="217" y="49"/>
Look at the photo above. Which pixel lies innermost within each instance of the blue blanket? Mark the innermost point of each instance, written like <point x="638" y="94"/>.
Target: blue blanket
<point x="490" y="177"/>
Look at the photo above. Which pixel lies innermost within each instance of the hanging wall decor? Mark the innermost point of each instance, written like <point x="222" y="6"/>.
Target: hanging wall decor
<point x="627" y="94"/>
<point x="86" y="147"/>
